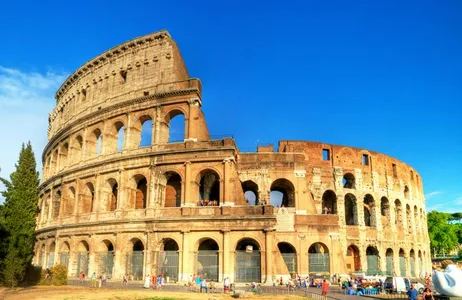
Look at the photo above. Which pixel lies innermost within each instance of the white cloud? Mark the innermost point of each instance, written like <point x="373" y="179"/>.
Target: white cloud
<point x="26" y="99"/>
<point x="433" y="194"/>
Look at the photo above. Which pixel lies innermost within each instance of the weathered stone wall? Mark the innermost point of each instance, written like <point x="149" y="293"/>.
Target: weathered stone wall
<point x="105" y="200"/>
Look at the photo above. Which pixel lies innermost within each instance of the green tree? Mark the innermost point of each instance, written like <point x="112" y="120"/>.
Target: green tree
<point x="442" y="234"/>
<point x="18" y="216"/>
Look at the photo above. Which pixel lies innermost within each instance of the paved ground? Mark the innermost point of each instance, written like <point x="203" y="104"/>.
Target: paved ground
<point x="335" y="292"/>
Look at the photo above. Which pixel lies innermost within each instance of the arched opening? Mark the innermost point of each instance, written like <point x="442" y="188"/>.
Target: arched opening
<point x="389" y="262"/>
<point x="402" y="263"/>
<point x="398" y="213"/>
<point x="417" y="220"/>
<point x="54" y="162"/>
<point x="135" y="259"/>
<point x="83" y="258"/>
<point x="329" y="202"/>
<point x="290" y="258"/>
<point x="88" y="199"/>
<point x="282" y="193"/>
<point x="95" y="143"/>
<point x="42" y="256"/>
<point x="176" y="127"/>
<point x="145" y="138"/>
<point x="173" y="190"/>
<point x="51" y="255"/>
<point x="250" y="190"/>
<point x="63" y="153"/>
<point x="76" y="149"/>
<point x="369" y="210"/>
<point x="420" y="266"/>
<point x="318" y="258"/>
<point x="209" y="188"/>
<point x="412" y="262"/>
<point x="56" y="205"/>
<point x="106" y="258"/>
<point x="64" y="254"/>
<point x="372" y="256"/>
<point x="406" y="192"/>
<point x="385" y="211"/>
<point x="248" y="261"/>
<point x="351" y="210"/>
<point x="140" y="192"/>
<point x="353" y="261"/>
<point x="69" y="204"/>
<point x="112" y="190"/>
<point x="409" y="218"/>
<point x="349" y="181"/>
<point x="168" y="259"/>
<point x="46" y="208"/>
<point x="207" y="260"/>
<point x="120" y="128"/>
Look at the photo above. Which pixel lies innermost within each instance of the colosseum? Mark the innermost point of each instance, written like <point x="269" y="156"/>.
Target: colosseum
<point x="119" y="196"/>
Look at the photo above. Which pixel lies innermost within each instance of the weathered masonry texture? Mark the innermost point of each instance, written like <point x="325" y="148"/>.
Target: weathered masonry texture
<point x="180" y="208"/>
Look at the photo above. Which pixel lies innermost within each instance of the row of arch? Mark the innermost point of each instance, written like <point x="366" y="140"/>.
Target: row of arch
<point x="115" y="138"/>
<point x="109" y="198"/>
<point x="349" y="182"/>
<point x="247" y="256"/>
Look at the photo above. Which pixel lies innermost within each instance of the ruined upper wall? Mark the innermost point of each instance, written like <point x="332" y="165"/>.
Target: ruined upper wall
<point x="386" y="168"/>
<point x="143" y="66"/>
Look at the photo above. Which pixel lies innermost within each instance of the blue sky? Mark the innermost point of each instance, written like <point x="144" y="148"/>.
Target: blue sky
<point x="381" y="75"/>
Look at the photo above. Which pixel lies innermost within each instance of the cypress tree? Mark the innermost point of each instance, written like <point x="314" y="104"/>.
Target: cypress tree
<point x="18" y="217"/>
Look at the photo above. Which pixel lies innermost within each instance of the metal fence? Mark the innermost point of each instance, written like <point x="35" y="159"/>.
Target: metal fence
<point x="372" y="264"/>
<point x="167" y="264"/>
<point x="207" y="264"/>
<point x="105" y="263"/>
<point x="134" y="264"/>
<point x="248" y="266"/>
<point x="412" y="266"/>
<point x="82" y="263"/>
<point x="319" y="262"/>
<point x="389" y="265"/>
<point x="64" y="259"/>
<point x="402" y="266"/>
<point x="51" y="260"/>
<point x="291" y="262"/>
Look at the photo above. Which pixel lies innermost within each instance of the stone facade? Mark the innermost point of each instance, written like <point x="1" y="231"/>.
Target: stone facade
<point x="110" y="203"/>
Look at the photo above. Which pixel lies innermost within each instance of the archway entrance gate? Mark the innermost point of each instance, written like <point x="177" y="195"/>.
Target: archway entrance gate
<point x="248" y="262"/>
<point x="168" y="260"/>
<point x="207" y="260"/>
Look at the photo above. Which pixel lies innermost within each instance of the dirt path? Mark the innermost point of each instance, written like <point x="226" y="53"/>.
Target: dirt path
<point x="83" y="293"/>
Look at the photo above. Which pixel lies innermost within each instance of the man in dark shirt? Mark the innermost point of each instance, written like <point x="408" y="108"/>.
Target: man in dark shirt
<point x="412" y="293"/>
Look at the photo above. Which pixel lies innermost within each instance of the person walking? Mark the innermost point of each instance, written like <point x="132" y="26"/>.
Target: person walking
<point x="412" y="293"/>
<point x="198" y="283"/>
<point x="325" y="288"/>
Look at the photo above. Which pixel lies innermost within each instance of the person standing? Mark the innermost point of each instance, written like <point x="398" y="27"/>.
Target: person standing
<point x="325" y="287"/>
<point x="93" y="280"/>
<point x="147" y="282"/>
<point x="104" y="279"/>
<point x="204" y="285"/>
<point x="226" y="285"/>
<point x="198" y="283"/>
<point x="412" y="293"/>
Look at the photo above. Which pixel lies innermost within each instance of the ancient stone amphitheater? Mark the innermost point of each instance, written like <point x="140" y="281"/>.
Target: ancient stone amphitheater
<point x="119" y="197"/>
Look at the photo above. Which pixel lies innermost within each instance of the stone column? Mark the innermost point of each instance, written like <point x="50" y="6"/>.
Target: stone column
<point x="226" y="255"/>
<point x="50" y="206"/>
<point x="187" y="263"/>
<point x="226" y="184"/>
<point x="188" y="197"/>
<point x="269" y="256"/>
<point x="157" y="130"/>
<point x="118" y="268"/>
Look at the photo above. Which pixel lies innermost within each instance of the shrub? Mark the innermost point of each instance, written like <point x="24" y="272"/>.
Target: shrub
<point x="58" y="276"/>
